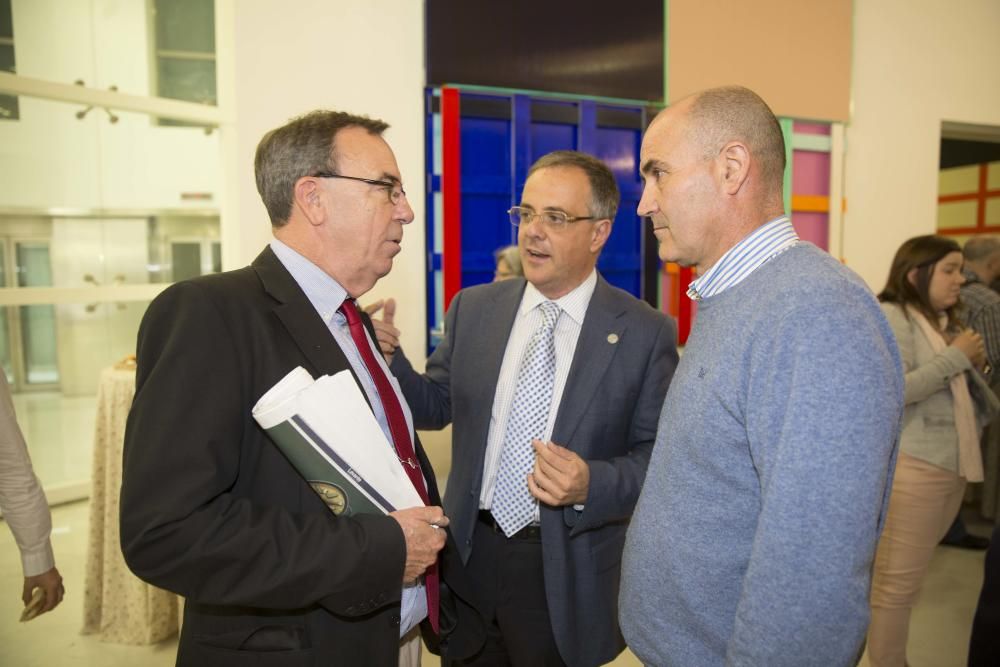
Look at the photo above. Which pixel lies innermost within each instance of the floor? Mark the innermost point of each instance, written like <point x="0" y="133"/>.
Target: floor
<point x="938" y="638"/>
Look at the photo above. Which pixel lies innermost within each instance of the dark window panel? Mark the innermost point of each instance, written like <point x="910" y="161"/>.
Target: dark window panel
<point x="588" y="47"/>
<point x="191" y="80"/>
<point x="185" y="25"/>
<point x="6" y="20"/>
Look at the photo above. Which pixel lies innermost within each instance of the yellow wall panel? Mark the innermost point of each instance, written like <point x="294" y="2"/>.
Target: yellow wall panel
<point x="955" y="215"/>
<point x="993" y="176"/>
<point x="993" y="212"/>
<point x="958" y="180"/>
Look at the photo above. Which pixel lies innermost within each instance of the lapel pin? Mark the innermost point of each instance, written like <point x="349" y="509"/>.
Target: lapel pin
<point x="613" y="338"/>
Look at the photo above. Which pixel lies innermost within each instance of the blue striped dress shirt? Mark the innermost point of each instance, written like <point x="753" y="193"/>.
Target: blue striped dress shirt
<point x="764" y="243"/>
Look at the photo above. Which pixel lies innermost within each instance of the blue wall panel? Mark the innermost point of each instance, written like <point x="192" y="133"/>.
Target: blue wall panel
<point x="501" y="136"/>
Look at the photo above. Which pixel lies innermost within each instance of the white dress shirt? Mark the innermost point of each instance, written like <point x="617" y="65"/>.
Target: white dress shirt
<point x="21" y="497"/>
<point x="526" y="322"/>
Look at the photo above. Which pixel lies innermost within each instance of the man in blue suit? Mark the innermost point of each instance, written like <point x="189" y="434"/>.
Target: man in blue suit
<point x="554" y="410"/>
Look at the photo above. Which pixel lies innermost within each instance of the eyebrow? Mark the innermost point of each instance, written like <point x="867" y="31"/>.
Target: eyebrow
<point x="545" y="208"/>
<point x="649" y="165"/>
<point x="386" y="176"/>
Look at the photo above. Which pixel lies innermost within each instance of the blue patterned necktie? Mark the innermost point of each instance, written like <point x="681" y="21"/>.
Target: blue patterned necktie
<point x="513" y="505"/>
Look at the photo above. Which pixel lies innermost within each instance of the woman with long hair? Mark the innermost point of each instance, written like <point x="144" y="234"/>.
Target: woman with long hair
<point x="947" y="403"/>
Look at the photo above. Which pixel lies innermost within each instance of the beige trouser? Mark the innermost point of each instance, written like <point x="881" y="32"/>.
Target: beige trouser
<point x="923" y="504"/>
<point x="410" y="648"/>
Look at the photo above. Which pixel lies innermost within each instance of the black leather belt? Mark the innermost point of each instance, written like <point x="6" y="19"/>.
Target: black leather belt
<point x="526" y="533"/>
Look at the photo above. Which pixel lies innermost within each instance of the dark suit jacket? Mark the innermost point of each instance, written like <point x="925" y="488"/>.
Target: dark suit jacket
<point x="624" y="360"/>
<point x="211" y="510"/>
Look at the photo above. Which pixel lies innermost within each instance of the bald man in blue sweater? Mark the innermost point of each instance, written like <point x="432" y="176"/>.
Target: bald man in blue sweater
<point x="754" y="534"/>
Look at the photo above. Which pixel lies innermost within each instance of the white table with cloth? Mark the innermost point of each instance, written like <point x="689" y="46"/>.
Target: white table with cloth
<point x="118" y="607"/>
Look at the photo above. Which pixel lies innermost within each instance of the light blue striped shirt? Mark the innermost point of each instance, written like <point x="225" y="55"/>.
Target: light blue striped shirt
<point x="326" y="295"/>
<point x="764" y="243"/>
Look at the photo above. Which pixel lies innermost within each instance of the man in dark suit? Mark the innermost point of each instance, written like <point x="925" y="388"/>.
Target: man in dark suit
<point x="210" y="508"/>
<point x="543" y="549"/>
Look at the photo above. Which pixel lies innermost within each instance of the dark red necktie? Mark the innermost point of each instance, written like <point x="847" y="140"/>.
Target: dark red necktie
<point x="400" y="435"/>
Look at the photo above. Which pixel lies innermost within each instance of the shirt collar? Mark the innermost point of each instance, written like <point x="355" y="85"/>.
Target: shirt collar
<point x="574" y="304"/>
<point x="323" y="292"/>
<point x="744" y="258"/>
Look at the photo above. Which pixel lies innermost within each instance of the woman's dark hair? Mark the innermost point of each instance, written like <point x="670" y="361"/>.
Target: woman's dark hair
<point x="921" y="253"/>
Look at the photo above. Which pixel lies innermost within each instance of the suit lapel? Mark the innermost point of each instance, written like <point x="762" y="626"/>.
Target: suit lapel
<point x="602" y="332"/>
<point x="492" y="328"/>
<point x="304" y="325"/>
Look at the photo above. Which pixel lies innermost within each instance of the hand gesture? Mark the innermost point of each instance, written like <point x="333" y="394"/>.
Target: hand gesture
<point x="971" y="345"/>
<point x="560" y="476"/>
<point x="386" y="334"/>
<point x="52" y="590"/>
<point x="422" y="529"/>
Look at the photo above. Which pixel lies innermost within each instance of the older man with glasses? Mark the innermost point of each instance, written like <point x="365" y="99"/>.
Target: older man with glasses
<point x="553" y="383"/>
<point x="210" y="508"/>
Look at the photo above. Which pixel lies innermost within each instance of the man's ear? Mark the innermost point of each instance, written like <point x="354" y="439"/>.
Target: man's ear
<point x="308" y="197"/>
<point x="734" y="163"/>
<point x="602" y="230"/>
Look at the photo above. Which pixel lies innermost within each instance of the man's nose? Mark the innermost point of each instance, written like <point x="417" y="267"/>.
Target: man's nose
<point x="647" y="202"/>
<point x="406" y="215"/>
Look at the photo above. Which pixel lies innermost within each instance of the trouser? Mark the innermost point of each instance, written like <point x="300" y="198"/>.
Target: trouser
<point x="509" y="586"/>
<point x="923" y="503"/>
<point x="410" y="648"/>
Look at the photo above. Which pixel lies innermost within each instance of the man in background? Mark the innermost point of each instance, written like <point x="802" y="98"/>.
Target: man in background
<point x="553" y="383"/>
<point x="26" y="511"/>
<point x="981" y="312"/>
<point x="753" y="538"/>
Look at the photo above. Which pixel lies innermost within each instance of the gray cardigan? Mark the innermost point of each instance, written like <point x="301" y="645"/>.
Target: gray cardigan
<point x="929" y="431"/>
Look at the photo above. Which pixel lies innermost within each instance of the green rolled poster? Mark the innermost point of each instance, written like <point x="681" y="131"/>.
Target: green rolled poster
<point x="328" y="433"/>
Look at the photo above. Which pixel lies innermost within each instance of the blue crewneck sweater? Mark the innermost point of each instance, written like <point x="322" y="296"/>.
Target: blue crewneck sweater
<point x="753" y="538"/>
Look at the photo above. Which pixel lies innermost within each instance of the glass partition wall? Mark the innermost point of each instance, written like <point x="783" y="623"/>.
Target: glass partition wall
<point x="101" y="207"/>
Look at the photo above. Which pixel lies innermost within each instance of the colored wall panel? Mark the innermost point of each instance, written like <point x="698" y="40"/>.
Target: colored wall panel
<point x="822" y="129"/>
<point x="993" y="212"/>
<point x="993" y="176"/>
<point x="810" y="173"/>
<point x="958" y="180"/>
<point x="587" y="47"/>
<point x="957" y="215"/>
<point x="813" y="227"/>
<point x="796" y="54"/>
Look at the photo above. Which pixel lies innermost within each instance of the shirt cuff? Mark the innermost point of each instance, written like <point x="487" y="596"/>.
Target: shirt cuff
<point x="38" y="561"/>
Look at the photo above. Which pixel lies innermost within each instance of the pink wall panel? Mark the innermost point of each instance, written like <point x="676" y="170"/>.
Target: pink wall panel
<point x="810" y="173"/>
<point x="811" y="128"/>
<point x="813" y="227"/>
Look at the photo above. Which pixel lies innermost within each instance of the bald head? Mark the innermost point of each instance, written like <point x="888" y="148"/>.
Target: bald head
<point x="982" y="257"/>
<point x="734" y="113"/>
<point x="980" y="248"/>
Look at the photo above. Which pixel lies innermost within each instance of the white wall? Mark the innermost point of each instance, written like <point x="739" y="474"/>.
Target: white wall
<point x="361" y="56"/>
<point x="51" y="159"/>
<point x="916" y="63"/>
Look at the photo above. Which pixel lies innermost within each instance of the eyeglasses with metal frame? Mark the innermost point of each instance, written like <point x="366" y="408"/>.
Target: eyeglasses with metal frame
<point x="551" y="219"/>
<point x="394" y="190"/>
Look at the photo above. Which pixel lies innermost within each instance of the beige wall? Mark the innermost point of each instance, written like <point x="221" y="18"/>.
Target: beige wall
<point x="795" y="53"/>
<point x="362" y="56"/>
<point x="916" y="63"/>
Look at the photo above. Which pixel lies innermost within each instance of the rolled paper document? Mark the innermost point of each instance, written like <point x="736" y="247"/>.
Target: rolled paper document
<point x="34" y="604"/>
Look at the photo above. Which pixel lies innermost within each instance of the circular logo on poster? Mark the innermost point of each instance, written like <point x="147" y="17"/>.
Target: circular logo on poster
<point x="332" y="495"/>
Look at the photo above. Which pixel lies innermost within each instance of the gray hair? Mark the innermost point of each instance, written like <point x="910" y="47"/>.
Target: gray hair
<point x="981" y="248"/>
<point x="512" y="257"/>
<point x="732" y="113"/>
<point x="603" y="188"/>
<point x="302" y="147"/>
